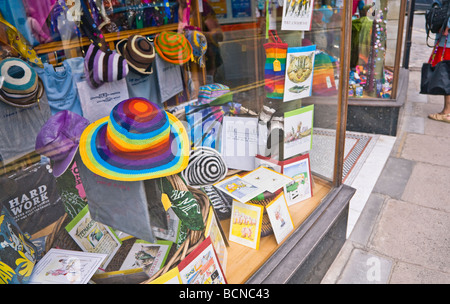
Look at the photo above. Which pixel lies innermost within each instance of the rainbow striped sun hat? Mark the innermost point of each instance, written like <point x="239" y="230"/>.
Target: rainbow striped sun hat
<point x="173" y="47"/>
<point x="137" y="141"/>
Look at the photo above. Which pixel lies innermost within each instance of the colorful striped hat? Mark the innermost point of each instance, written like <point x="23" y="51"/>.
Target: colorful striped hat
<point x="137" y="141"/>
<point x="139" y="53"/>
<point x="101" y="66"/>
<point x="199" y="45"/>
<point x="173" y="47"/>
<point x="20" y="85"/>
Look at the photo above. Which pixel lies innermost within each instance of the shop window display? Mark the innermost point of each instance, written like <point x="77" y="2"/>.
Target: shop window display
<point x="370" y="76"/>
<point x="207" y="125"/>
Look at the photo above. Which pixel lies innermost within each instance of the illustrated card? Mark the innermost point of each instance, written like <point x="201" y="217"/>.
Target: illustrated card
<point x="60" y="266"/>
<point x="298" y="127"/>
<point x="202" y="266"/>
<point x="299" y="72"/>
<point x="238" y="188"/>
<point x="280" y="218"/>
<point x="245" y="224"/>
<point x="297" y="15"/>
<point x="301" y="187"/>
<point x="267" y="179"/>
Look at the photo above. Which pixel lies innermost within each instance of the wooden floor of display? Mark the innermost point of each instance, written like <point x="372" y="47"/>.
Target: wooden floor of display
<point x="243" y="261"/>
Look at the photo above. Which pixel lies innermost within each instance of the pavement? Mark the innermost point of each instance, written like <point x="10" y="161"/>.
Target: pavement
<point x="402" y="235"/>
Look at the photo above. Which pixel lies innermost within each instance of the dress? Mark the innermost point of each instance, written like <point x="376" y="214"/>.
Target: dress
<point x="442" y="52"/>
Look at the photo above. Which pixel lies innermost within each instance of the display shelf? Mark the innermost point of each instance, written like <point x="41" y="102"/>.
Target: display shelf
<point x="244" y="261"/>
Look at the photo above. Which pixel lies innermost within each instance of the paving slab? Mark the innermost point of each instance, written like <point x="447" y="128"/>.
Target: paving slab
<point x="366" y="268"/>
<point x="414" y="234"/>
<point x="426" y="148"/>
<point x="394" y="178"/>
<point x="428" y="186"/>
<point x="406" y="273"/>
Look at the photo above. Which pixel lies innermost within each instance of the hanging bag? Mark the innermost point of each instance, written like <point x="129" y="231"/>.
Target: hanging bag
<point x="275" y="66"/>
<point x="436" y="18"/>
<point x="436" y="80"/>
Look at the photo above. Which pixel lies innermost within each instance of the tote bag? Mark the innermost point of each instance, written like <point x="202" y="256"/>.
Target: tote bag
<point x="436" y="80"/>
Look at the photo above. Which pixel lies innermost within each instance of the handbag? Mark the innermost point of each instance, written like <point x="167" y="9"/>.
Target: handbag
<point x="436" y="80"/>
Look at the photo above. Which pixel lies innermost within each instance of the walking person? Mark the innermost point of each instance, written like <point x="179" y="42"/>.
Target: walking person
<point x="442" y="53"/>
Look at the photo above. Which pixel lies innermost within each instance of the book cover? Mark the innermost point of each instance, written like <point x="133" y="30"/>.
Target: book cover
<point x="202" y="266"/>
<point x="93" y="236"/>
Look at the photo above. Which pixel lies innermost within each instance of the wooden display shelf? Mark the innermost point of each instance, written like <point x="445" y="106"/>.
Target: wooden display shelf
<point x="243" y="261"/>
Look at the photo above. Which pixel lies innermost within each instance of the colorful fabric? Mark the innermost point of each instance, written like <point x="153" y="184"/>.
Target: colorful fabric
<point x="211" y="92"/>
<point x="137" y="141"/>
<point x="101" y="66"/>
<point x="274" y="68"/>
<point x="173" y="47"/>
<point x="199" y="45"/>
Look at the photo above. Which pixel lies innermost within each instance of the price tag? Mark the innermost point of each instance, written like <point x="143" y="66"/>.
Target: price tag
<point x="277" y="65"/>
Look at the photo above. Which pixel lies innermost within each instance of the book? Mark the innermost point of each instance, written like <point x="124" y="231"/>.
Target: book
<point x="245" y="224"/>
<point x="202" y="266"/>
<point x="148" y="256"/>
<point x="60" y="266"/>
<point x="93" y="236"/>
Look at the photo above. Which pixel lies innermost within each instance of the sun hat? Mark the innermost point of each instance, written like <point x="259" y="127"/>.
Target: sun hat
<point x="137" y="141"/>
<point x="206" y="167"/>
<point x="173" y="47"/>
<point x="20" y="86"/>
<point x="59" y="138"/>
<point x="199" y="45"/>
<point x="139" y="53"/>
<point x="101" y="66"/>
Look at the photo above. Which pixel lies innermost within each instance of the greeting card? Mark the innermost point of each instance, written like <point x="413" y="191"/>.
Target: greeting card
<point x="245" y="224"/>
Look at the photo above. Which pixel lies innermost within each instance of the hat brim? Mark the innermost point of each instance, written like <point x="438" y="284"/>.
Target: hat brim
<point x="92" y="154"/>
<point x="25" y="102"/>
<point x="60" y="166"/>
<point x="178" y="61"/>
<point x="120" y="49"/>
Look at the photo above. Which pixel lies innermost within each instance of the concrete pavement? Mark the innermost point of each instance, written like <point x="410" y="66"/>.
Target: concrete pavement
<point x="402" y="235"/>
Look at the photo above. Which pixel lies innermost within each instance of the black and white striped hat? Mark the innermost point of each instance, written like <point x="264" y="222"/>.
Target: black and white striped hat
<point x="206" y="167"/>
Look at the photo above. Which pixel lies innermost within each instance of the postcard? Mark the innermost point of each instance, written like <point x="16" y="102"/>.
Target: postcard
<point x="239" y="142"/>
<point x="297" y="15"/>
<point x="245" y="224"/>
<point x="93" y="236"/>
<point x="299" y="72"/>
<point x="214" y="230"/>
<point x="170" y="277"/>
<point x="202" y="266"/>
<point x="238" y="188"/>
<point x="301" y="188"/>
<point x="280" y="218"/>
<point x="60" y="266"/>
<point x="298" y="127"/>
<point x="267" y="179"/>
<point x="149" y="256"/>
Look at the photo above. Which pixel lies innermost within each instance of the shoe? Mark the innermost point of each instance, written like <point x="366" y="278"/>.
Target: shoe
<point x="440" y="117"/>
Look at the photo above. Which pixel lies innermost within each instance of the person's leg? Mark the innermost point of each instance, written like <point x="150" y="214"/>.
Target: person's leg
<point x="444" y="115"/>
